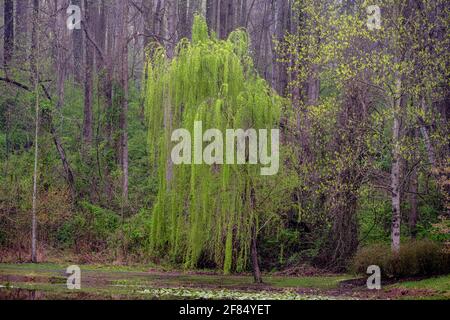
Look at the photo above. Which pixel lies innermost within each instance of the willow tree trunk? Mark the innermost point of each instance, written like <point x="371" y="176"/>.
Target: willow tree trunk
<point x="254" y="254"/>
<point x="254" y="241"/>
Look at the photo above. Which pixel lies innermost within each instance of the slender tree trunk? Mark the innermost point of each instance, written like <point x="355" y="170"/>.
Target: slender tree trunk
<point x="21" y="26"/>
<point x="280" y="17"/>
<point x="158" y="21"/>
<point x="426" y="137"/>
<point x="182" y="25"/>
<point x="414" y="213"/>
<point x="211" y="15"/>
<point x="395" y="170"/>
<point x="254" y="254"/>
<point x="222" y="17"/>
<point x="243" y="14"/>
<point x="77" y="35"/>
<point x="88" y="81"/>
<point x="8" y="43"/>
<point x="60" y="34"/>
<point x="148" y="21"/>
<point x="35" y="67"/>
<point x="172" y="27"/>
<point x="254" y="241"/>
<point x="100" y="35"/>
<point x="231" y="16"/>
<point x="123" y="122"/>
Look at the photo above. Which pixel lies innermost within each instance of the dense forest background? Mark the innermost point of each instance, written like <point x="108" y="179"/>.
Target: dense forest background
<point x="363" y="114"/>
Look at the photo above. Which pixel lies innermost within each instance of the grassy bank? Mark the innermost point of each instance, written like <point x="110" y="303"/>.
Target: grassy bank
<point x="48" y="281"/>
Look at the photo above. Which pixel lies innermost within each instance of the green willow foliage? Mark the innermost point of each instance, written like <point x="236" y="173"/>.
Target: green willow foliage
<point x="201" y="211"/>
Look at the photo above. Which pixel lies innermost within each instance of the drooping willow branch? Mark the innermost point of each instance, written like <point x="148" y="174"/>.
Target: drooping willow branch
<point x="206" y="212"/>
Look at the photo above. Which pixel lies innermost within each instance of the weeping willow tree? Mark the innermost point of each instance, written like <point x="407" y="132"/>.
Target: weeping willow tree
<point x="206" y="212"/>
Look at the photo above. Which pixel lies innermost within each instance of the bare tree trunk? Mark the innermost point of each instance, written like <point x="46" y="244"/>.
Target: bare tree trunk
<point x="21" y="28"/>
<point x="100" y="34"/>
<point x="414" y="213"/>
<point x="8" y="43"/>
<point x="171" y="27"/>
<point x="222" y="17"/>
<point x="77" y="41"/>
<point x="231" y="17"/>
<point x="123" y="122"/>
<point x="158" y="22"/>
<point x="149" y="18"/>
<point x="395" y="170"/>
<point x="280" y="17"/>
<point x="60" y="34"/>
<point x="35" y="68"/>
<point x="426" y="137"/>
<point x="211" y="15"/>
<point x="88" y="82"/>
<point x="243" y="14"/>
<point x="182" y="26"/>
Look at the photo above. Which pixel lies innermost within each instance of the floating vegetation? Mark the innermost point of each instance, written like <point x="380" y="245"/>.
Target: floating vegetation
<point x="223" y="294"/>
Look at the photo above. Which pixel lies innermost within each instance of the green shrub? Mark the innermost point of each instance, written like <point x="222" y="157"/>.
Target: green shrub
<point x="415" y="258"/>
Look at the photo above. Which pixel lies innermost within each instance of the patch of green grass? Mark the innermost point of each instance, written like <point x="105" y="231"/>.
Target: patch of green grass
<point x="439" y="286"/>
<point x="437" y="283"/>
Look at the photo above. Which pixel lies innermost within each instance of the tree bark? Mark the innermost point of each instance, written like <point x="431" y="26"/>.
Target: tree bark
<point x="8" y="42"/>
<point x="395" y="170"/>
<point x="254" y="253"/>
<point x="123" y="74"/>
<point x="182" y="25"/>
<point x="21" y="28"/>
<point x="88" y="80"/>
<point x="60" y="34"/>
<point x="77" y="40"/>
<point x="414" y="213"/>
<point x="254" y="241"/>
<point x="172" y="27"/>
<point x="35" y="68"/>
<point x="426" y="137"/>
<point x="211" y="15"/>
